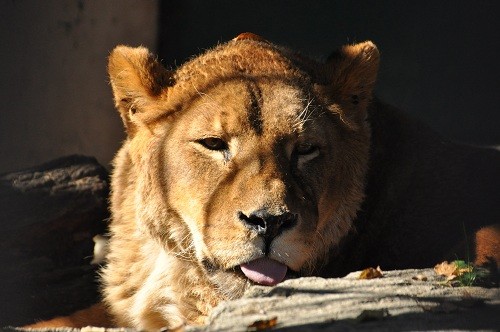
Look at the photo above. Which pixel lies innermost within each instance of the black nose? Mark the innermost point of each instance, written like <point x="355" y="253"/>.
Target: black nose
<point x="267" y="224"/>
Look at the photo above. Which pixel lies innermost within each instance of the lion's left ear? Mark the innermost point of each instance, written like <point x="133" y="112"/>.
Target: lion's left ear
<point x="351" y="73"/>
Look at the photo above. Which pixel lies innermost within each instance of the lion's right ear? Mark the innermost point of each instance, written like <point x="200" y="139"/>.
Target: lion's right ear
<point x="138" y="80"/>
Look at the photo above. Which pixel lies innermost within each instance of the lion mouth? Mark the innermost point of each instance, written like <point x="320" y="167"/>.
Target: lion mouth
<point x="265" y="271"/>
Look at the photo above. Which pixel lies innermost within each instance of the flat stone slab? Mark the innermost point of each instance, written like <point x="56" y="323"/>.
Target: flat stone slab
<point x="395" y="302"/>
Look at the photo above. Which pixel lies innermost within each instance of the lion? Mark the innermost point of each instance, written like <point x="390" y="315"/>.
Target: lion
<point x="252" y="164"/>
<point x="229" y="176"/>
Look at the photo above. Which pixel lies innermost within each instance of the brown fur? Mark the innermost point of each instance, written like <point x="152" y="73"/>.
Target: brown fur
<point x="291" y="135"/>
<point x="96" y="315"/>
<point x="488" y="244"/>
<point x="175" y="203"/>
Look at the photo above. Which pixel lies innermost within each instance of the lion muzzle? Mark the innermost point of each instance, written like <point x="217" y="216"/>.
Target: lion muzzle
<point x="266" y="271"/>
<point x="267" y="224"/>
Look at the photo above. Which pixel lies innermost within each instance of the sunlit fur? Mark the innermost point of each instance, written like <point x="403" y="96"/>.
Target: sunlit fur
<point x="176" y="240"/>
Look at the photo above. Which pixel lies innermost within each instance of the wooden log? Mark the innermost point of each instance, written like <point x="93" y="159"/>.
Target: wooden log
<point x="48" y="217"/>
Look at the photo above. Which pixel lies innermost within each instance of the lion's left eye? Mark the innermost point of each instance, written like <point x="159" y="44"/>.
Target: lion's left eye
<point x="214" y="143"/>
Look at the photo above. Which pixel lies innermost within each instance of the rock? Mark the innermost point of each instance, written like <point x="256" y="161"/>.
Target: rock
<point x="395" y="302"/>
<point x="48" y="216"/>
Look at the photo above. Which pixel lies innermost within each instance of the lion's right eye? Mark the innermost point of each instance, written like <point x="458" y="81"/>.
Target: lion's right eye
<point x="303" y="149"/>
<point x="214" y="143"/>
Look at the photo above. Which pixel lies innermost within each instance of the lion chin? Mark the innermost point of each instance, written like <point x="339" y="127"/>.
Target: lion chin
<point x="261" y="271"/>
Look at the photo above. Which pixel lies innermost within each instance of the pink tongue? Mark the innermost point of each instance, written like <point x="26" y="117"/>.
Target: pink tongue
<point x="264" y="271"/>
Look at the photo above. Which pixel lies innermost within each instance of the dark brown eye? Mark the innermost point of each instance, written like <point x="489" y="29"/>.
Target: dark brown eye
<point x="214" y="143"/>
<point x="305" y="148"/>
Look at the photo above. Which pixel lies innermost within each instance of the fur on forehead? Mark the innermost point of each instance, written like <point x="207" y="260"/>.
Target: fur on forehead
<point x="245" y="57"/>
<point x="236" y="59"/>
<point x="146" y="93"/>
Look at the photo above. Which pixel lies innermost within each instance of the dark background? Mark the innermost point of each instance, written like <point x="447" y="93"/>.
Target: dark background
<point x="440" y="59"/>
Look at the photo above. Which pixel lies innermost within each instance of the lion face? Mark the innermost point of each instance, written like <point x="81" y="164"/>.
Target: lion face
<point x="260" y="192"/>
<point x="251" y="169"/>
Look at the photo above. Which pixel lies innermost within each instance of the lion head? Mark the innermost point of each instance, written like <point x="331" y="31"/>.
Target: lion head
<point x="247" y="162"/>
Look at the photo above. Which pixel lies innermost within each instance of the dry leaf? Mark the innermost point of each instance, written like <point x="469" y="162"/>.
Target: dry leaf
<point x="446" y="269"/>
<point x="371" y="273"/>
<point x="263" y="324"/>
<point x="452" y="270"/>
